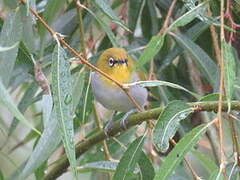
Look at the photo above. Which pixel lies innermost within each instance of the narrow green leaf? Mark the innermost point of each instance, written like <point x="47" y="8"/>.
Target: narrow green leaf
<point x="104" y="26"/>
<point x="169" y="122"/>
<point x="153" y="47"/>
<point x="104" y="166"/>
<point x="78" y="87"/>
<point x="10" y="36"/>
<point x="146" y="167"/>
<point x="180" y="150"/>
<point x="205" y="161"/>
<point x="8" y="48"/>
<point x="134" y="7"/>
<point x="50" y="12"/>
<point x="155" y="83"/>
<point x="216" y="175"/>
<point x="47" y="144"/>
<point x="229" y="71"/>
<point x="205" y="63"/>
<point x="1" y="175"/>
<point x="107" y="10"/>
<point x="193" y="33"/>
<point x="47" y="105"/>
<point x="62" y="98"/>
<point x="23" y="105"/>
<point x="189" y="16"/>
<point x="129" y="159"/>
<point x="6" y="100"/>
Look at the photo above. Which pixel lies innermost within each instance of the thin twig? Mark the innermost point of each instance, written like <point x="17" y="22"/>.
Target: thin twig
<point x="81" y="30"/>
<point x="221" y="92"/>
<point x="215" y="41"/>
<point x="169" y="14"/>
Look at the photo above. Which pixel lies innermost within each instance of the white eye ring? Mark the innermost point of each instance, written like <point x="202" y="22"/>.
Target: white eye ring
<point x="111" y="62"/>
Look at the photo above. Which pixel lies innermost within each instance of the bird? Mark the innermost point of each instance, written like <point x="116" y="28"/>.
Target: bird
<point x="117" y="64"/>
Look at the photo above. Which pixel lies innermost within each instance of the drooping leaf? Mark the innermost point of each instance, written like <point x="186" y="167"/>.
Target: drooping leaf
<point x="129" y="159"/>
<point x="153" y="47"/>
<point x="188" y="17"/>
<point x="62" y="98"/>
<point x="154" y="83"/>
<point x="134" y="9"/>
<point x="107" y="10"/>
<point x="23" y="105"/>
<point x="205" y="63"/>
<point x="48" y="142"/>
<point x="10" y="36"/>
<point x="229" y="71"/>
<point x="168" y="123"/>
<point x="146" y="167"/>
<point x="104" y="26"/>
<point x="209" y="164"/>
<point x="216" y="175"/>
<point x="47" y="105"/>
<point x="6" y="100"/>
<point x="104" y="166"/>
<point x="180" y="150"/>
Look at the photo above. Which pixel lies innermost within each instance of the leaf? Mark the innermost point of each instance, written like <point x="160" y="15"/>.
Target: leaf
<point x="229" y="71"/>
<point x="62" y="98"/>
<point x="47" y="144"/>
<point x="153" y="47"/>
<point x="134" y="8"/>
<point x="8" y="48"/>
<point x="23" y="105"/>
<point x="205" y="161"/>
<point x="6" y="100"/>
<point x="154" y="83"/>
<point x="168" y="123"/>
<point x="216" y="175"/>
<point x="47" y="105"/>
<point x="106" y="29"/>
<point x="193" y="33"/>
<point x="129" y="159"/>
<point x="78" y="87"/>
<point x="104" y="166"/>
<point x="180" y="150"/>
<point x="1" y="175"/>
<point x="10" y="36"/>
<point x="188" y="17"/>
<point x="50" y="12"/>
<point x="205" y="63"/>
<point x="146" y="167"/>
<point x="107" y="10"/>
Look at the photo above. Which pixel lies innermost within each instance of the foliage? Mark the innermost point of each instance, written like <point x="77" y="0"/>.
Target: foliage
<point x="47" y="106"/>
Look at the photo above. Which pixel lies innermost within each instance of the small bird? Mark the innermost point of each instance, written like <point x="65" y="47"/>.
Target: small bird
<point x="119" y="65"/>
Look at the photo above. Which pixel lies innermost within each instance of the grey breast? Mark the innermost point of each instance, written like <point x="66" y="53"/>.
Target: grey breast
<point x="115" y="98"/>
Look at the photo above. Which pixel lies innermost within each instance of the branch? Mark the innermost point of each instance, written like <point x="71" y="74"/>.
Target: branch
<point x="131" y="121"/>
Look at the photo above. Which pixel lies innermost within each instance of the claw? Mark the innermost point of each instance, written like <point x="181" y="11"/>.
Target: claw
<point x="122" y="121"/>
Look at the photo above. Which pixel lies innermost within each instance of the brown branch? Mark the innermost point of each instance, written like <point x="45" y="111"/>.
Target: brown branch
<point x="132" y="120"/>
<point x="221" y="93"/>
<point x="82" y="59"/>
<point x="166" y="22"/>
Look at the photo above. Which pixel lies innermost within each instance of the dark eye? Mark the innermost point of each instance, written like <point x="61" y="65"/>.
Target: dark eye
<point x="111" y="62"/>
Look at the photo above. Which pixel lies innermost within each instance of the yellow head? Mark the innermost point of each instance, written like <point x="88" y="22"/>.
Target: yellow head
<point x="117" y="64"/>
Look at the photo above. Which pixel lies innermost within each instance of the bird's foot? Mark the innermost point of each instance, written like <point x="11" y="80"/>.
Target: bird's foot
<point x="123" y="120"/>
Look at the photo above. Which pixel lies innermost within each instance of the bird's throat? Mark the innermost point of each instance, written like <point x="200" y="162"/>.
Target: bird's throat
<point x="120" y="75"/>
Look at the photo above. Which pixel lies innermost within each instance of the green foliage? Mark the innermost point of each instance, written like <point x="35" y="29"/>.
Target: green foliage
<point x="35" y="126"/>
